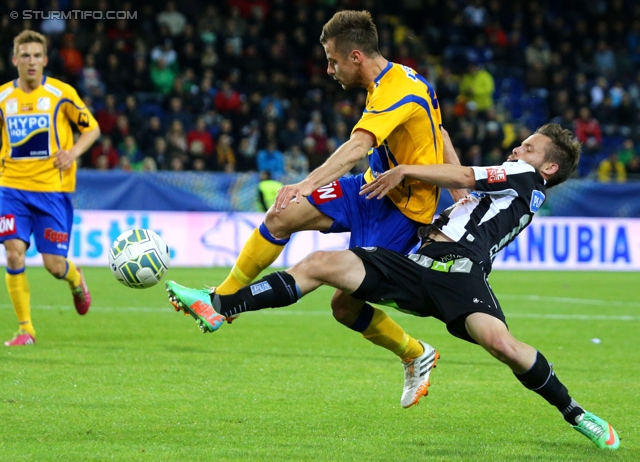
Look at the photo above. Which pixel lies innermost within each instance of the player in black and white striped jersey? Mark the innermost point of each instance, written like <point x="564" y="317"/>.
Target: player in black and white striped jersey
<point x="447" y="277"/>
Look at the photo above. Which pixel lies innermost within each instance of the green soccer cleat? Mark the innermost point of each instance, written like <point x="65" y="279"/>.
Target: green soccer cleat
<point x="197" y="303"/>
<point x="597" y="430"/>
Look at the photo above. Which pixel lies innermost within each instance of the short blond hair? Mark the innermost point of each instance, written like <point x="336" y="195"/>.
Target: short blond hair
<point x="29" y="36"/>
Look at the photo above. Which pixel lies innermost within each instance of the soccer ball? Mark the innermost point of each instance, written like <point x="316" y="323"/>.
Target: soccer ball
<point x="139" y="258"/>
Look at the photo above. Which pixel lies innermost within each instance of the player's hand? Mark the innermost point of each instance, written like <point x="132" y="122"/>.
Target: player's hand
<point x="458" y="194"/>
<point x="383" y="183"/>
<point x="292" y="192"/>
<point x="63" y="159"/>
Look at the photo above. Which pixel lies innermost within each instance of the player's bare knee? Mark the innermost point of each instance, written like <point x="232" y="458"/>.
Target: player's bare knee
<point x="503" y="348"/>
<point x="316" y="265"/>
<point x="15" y="259"/>
<point x="278" y="225"/>
<point x="56" y="267"/>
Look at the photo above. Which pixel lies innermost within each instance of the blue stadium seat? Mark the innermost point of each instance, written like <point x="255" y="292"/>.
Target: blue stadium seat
<point x="151" y="109"/>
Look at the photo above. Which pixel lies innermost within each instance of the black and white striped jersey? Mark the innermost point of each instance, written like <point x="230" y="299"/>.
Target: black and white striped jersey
<point x="503" y="203"/>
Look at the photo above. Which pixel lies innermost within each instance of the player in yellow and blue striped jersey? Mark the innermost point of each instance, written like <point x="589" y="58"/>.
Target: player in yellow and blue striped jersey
<point x="400" y="125"/>
<point x="38" y="175"/>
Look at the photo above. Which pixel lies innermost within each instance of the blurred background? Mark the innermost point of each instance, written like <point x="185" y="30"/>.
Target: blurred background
<point x="196" y="98"/>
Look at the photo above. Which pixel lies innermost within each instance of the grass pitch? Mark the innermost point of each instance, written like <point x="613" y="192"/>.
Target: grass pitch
<point x="134" y="380"/>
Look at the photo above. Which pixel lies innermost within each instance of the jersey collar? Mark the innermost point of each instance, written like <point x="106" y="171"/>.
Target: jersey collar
<point x="44" y="79"/>
<point x="376" y="81"/>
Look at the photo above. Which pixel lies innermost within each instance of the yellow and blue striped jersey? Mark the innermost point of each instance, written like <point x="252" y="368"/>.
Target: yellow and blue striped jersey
<point x="403" y="114"/>
<point x="35" y="126"/>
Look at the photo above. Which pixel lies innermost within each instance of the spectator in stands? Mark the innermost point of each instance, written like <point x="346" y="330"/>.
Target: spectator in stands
<point x="611" y="169"/>
<point x="522" y="133"/>
<point x="177" y="164"/>
<point x="290" y="135"/>
<point x="295" y="162"/>
<point x="271" y="159"/>
<point x="598" y="91"/>
<point x="477" y="86"/>
<point x="121" y="130"/>
<point x="172" y="18"/>
<point x="607" y="115"/>
<point x="104" y="150"/>
<point x="198" y="160"/>
<point x="227" y="99"/>
<point x="588" y="131"/>
<point x="177" y="139"/>
<point x="493" y="138"/>
<point x="102" y="163"/>
<point x="162" y="76"/>
<point x="166" y="53"/>
<point x="90" y="82"/>
<point x="107" y="117"/>
<point x="140" y="79"/>
<point x="159" y="151"/>
<point x="319" y="135"/>
<point x="73" y="60"/>
<point x="267" y="190"/>
<point x="633" y="168"/>
<point x="225" y="154"/>
<point x="53" y="25"/>
<point x="446" y="86"/>
<point x="129" y="148"/>
<point x="116" y="75"/>
<point x="134" y="116"/>
<point x="152" y="131"/>
<point x="201" y="134"/>
<point x="340" y="133"/>
<point x="604" y="60"/>
<point x="626" y="153"/>
<point x="176" y="111"/>
<point x="149" y="165"/>
<point x="246" y="156"/>
<point x="567" y="119"/>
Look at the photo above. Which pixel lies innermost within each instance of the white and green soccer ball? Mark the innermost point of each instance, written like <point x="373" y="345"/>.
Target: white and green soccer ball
<point x="139" y="258"/>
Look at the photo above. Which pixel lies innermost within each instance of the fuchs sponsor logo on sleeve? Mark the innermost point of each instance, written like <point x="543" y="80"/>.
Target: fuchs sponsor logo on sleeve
<point x="327" y="193"/>
<point x="496" y="175"/>
<point x="7" y="225"/>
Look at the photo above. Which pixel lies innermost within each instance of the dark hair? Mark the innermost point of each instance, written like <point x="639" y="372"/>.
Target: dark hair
<point x="352" y="29"/>
<point x="563" y="150"/>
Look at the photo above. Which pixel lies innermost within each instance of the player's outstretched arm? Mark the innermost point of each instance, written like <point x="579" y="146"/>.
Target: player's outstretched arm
<point x="451" y="158"/>
<point x="340" y="163"/>
<point x="444" y="176"/>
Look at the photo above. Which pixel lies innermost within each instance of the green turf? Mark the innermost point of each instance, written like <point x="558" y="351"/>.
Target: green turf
<point x="133" y="380"/>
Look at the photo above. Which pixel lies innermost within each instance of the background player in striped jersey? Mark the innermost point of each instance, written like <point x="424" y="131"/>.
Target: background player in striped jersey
<point x="400" y="125"/>
<point x="37" y="175"/>
<point x="447" y="277"/>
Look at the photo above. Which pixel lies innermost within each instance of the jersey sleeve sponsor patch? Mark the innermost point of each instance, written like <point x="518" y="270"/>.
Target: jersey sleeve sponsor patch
<point x="537" y="199"/>
<point x="496" y="175"/>
<point x="327" y="193"/>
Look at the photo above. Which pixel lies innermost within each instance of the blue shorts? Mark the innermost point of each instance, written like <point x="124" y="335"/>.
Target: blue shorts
<point x="372" y="223"/>
<point x="49" y="216"/>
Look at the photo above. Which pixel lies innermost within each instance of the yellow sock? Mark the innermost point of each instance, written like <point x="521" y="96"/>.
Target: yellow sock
<point x="18" y="288"/>
<point x="256" y="255"/>
<point x="73" y="276"/>
<point x="383" y="331"/>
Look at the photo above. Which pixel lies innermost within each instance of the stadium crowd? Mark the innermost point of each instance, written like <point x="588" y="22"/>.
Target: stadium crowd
<point x="241" y="85"/>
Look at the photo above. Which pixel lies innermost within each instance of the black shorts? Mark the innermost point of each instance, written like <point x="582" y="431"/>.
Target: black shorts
<point x="437" y="282"/>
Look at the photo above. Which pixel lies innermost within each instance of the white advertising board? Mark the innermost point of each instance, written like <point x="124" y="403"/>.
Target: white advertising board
<point x="215" y="239"/>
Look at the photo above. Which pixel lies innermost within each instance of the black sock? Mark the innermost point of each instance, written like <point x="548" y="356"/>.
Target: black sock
<point x="542" y="380"/>
<point x="272" y="291"/>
